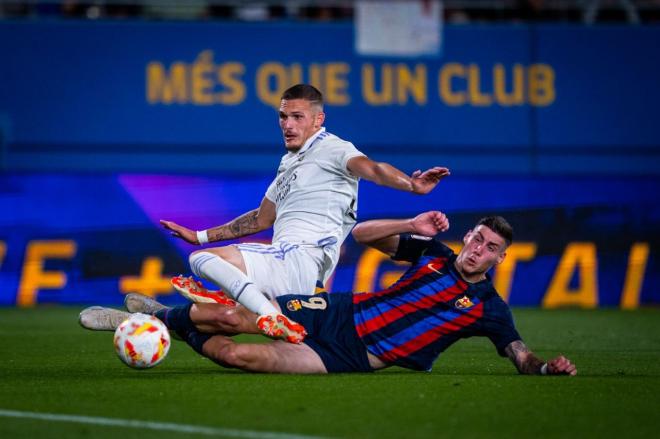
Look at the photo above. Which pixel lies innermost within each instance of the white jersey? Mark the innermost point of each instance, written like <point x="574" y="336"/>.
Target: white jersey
<point x="316" y="197"/>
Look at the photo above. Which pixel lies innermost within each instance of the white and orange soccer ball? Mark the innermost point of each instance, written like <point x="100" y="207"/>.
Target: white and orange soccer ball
<point x="142" y="341"/>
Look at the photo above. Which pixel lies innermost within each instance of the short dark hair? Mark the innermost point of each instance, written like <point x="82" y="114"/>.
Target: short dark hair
<point x="304" y="91"/>
<point x="498" y="225"/>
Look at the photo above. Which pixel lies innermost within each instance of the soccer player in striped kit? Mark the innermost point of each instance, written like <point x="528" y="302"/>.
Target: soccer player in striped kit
<point x="441" y="299"/>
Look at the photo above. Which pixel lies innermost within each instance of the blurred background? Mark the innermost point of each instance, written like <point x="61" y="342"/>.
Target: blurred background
<point x="115" y="114"/>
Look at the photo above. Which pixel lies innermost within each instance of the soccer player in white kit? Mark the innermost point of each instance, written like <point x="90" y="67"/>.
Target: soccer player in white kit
<point x="311" y="205"/>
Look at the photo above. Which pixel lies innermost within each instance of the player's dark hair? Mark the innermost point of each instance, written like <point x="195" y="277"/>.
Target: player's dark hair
<point x="498" y="225"/>
<point x="304" y="91"/>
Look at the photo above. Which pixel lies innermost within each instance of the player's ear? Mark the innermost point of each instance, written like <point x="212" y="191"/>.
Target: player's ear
<point x="320" y="118"/>
<point x="467" y="237"/>
<point x="500" y="258"/>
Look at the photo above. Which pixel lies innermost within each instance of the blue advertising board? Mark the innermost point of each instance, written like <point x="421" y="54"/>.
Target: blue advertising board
<point x="82" y="239"/>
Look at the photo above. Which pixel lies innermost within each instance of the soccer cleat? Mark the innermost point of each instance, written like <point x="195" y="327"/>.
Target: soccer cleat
<point x="98" y="318"/>
<point x="196" y="292"/>
<point x="279" y="326"/>
<point x="140" y="303"/>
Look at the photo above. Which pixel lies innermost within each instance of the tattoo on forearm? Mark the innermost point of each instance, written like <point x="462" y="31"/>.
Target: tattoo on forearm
<point x="516" y="347"/>
<point x="245" y="224"/>
<point x="526" y="362"/>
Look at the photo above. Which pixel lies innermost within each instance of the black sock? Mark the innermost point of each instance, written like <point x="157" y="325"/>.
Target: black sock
<point x="178" y="319"/>
<point x="196" y="340"/>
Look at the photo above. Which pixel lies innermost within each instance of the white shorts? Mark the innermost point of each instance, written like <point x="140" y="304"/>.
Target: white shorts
<point x="282" y="268"/>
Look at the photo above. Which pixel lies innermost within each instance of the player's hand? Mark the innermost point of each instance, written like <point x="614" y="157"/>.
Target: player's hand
<point x="180" y="232"/>
<point x="561" y="366"/>
<point x="430" y="223"/>
<point x="424" y="182"/>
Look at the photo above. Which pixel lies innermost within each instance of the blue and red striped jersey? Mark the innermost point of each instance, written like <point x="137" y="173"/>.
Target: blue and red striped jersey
<point x="429" y="308"/>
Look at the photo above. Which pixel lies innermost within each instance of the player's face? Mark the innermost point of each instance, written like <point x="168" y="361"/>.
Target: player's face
<point x="299" y="119"/>
<point x="483" y="249"/>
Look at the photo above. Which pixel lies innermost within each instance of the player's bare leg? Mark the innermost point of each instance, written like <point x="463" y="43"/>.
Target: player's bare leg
<point x="214" y="318"/>
<point x="228" y="320"/>
<point x="278" y="356"/>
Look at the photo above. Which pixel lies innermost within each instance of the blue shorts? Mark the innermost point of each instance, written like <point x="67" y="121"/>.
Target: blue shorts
<point x="328" y="319"/>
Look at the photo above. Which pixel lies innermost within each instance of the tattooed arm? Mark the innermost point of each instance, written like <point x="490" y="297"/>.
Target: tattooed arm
<point x="247" y="224"/>
<point x="528" y="363"/>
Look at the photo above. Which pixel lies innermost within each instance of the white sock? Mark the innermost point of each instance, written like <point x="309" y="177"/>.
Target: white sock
<point x="232" y="281"/>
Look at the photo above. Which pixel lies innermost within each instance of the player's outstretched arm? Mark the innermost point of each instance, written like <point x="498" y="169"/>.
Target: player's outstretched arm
<point x="385" y="174"/>
<point x="247" y="224"/>
<point x="384" y="234"/>
<point x="528" y="363"/>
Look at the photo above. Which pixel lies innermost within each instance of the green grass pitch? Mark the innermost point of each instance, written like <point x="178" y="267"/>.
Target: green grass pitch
<point x="48" y="364"/>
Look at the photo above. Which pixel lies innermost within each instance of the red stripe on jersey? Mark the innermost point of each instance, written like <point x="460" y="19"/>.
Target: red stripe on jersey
<point x="433" y="334"/>
<point x="394" y="314"/>
<point x="421" y="272"/>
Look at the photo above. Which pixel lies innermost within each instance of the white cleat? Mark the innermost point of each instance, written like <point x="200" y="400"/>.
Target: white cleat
<point x="98" y="318"/>
<point x="135" y="302"/>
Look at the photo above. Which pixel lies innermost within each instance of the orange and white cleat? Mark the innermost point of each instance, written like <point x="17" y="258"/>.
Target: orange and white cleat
<point x="194" y="291"/>
<point x="279" y="326"/>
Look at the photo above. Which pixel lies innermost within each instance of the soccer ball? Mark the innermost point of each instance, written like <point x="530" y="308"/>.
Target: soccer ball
<point x="142" y="341"/>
